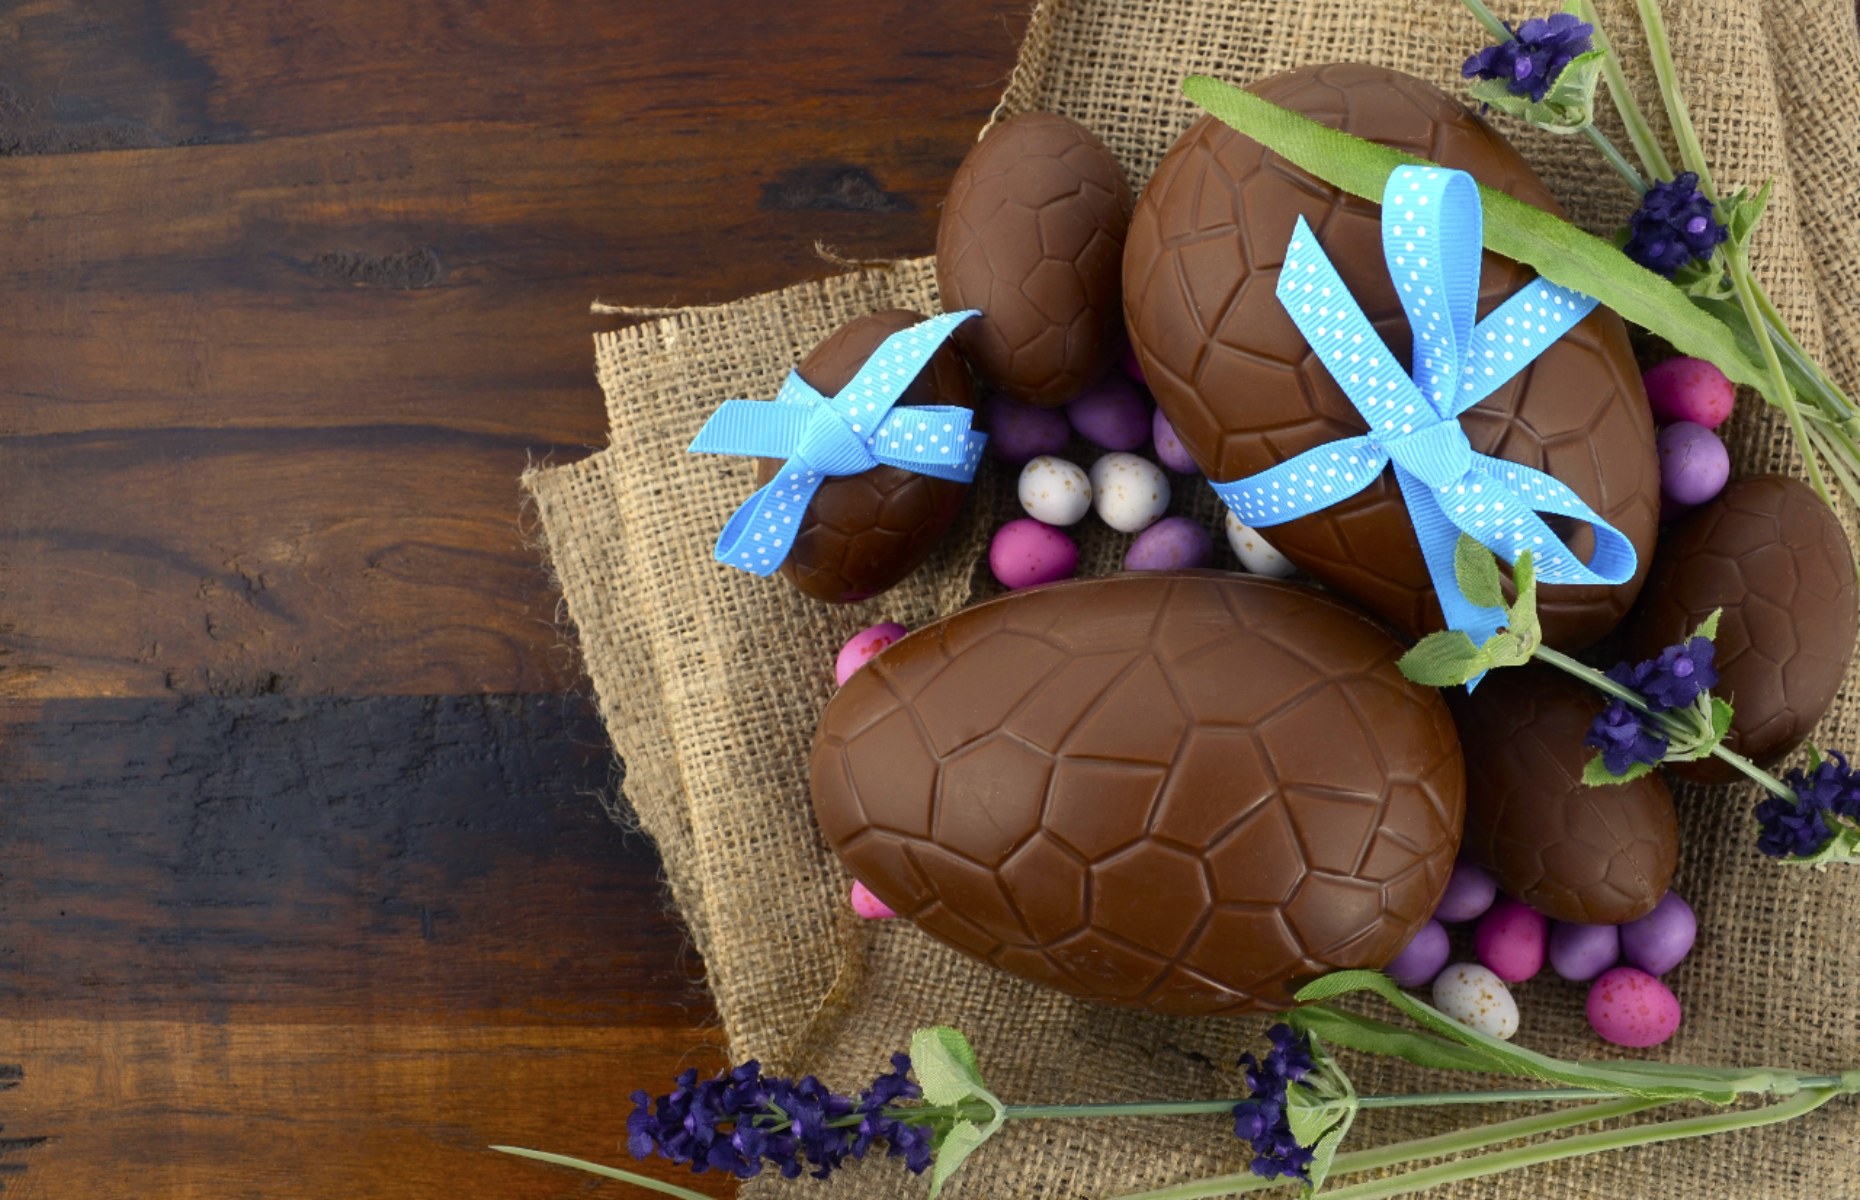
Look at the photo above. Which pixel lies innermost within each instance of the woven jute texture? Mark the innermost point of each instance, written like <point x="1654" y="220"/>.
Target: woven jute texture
<point x="710" y="681"/>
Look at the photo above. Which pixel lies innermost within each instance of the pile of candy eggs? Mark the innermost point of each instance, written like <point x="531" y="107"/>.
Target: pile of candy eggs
<point x="1627" y="1004"/>
<point x="1690" y="398"/>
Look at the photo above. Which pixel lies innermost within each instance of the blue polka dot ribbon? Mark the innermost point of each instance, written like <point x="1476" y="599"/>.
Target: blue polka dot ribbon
<point x="1432" y="232"/>
<point x="846" y="434"/>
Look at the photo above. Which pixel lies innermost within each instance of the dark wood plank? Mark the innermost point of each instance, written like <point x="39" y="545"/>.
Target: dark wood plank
<point x="251" y="941"/>
<point x="267" y="381"/>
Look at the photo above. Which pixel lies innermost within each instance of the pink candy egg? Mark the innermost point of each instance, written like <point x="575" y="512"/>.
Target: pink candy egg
<point x="865" y="904"/>
<point x="1025" y="552"/>
<point x="1511" y="939"/>
<point x="863" y="647"/>
<point x="1631" y="1008"/>
<point x="1689" y="389"/>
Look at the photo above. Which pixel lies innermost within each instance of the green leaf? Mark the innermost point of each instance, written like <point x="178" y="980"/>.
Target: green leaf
<point x="1524" y="578"/>
<point x="1442" y="660"/>
<point x="593" y="1168"/>
<point x="1516" y="1060"/>
<point x="963" y="1139"/>
<point x="1567" y="106"/>
<point x="1354" y="1031"/>
<point x="1556" y="249"/>
<point x="945" y="1066"/>
<point x="1743" y="211"/>
<point x="1476" y="569"/>
<point x="1842" y="848"/>
<point x="1708" y="628"/>
<point x="1721" y="714"/>
<point x="1595" y="773"/>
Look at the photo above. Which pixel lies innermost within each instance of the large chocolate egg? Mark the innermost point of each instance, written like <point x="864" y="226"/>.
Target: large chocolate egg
<point x="1771" y="555"/>
<point x="1032" y="234"/>
<point x="863" y="533"/>
<point x="1245" y="392"/>
<point x="1188" y="792"/>
<point x="1595" y="855"/>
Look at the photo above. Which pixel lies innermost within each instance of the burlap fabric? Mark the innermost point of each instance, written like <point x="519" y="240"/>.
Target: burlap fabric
<point x="710" y="681"/>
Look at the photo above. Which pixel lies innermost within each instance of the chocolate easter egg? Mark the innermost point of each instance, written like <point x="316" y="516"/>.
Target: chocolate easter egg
<point x="1771" y="555"/>
<point x="1032" y="234"/>
<point x="1594" y="855"/>
<point x="863" y="533"/>
<point x="1245" y="392"/>
<point x="1187" y="792"/>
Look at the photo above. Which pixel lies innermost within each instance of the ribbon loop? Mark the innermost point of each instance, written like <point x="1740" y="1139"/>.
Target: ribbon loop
<point x="1432" y="239"/>
<point x="821" y="437"/>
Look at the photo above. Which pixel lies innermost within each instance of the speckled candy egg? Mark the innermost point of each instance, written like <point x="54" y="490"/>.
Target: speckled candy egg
<point x="864" y="533"/>
<point x="1055" y="491"/>
<point x="1771" y="555"/>
<point x="1255" y="553"/>
<point x="1130" y="492"/>
<point x="1472" y="995"/>
<point x="1595" y="855"/>
<point x="1066" y="783"/>
<point x="1032" y="234"/>
<point x="1245" y="392"/>
<point x="1631" y="1008"/>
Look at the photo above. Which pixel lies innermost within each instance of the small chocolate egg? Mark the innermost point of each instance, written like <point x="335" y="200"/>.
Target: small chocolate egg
<point x="1771" y="555"/>
<point x="1032" y="234"/>
<point x="1066" y="783"/>
<point x="1594" y="855"/>
<point x="864" y="533"/>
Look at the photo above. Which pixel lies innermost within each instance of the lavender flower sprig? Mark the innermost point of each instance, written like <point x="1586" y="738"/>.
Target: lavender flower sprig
<point x="1300" y="1107"/>
<point x="1660" y="710"/>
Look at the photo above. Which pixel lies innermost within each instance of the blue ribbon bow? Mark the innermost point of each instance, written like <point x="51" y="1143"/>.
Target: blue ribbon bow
<point x="1432" y="231"/>
<point x="846" y="434"/>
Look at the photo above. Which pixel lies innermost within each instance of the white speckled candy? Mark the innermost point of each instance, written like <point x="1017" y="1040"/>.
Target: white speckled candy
<point x="865" y="904"/>
<point x="1055" y="491"/>
<point x="1474" y="996"/>
<point x="1129" y="492"/>
<point x="1631" y="1008"/>
<point x="862" y="647"/>
<point x="1255" y="553"/>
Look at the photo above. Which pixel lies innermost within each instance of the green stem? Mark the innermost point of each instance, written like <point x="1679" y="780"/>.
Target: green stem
<point x="1615" y="158"/>
<point x="1691" y="152"/>
<point x="1639" y="130"/>
<point x="1588" y="1143"/>
<point x="1493" y="25"/>
<point x="1596" y="679"/>
<point x="605" y="1172"/>
<point x="1460" y="1141"/>
<point x="1739" y="260"/>
<point x="1184" y="1108"/>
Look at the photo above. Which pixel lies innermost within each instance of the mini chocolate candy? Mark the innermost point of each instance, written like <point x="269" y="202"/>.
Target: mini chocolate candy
<point x="1188" y="792"/>
<point x="863" y="533"/>
<point x="1594" y="855"/>
<point x="1033" y="235"/>
<point x="1770" y="554"/>
<point x="1245" y="392"/>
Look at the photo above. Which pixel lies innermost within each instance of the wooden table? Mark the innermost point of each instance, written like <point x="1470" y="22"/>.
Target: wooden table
<point x="306" y="889"/>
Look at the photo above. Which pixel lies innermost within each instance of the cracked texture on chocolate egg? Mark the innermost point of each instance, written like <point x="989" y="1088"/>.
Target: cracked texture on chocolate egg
<point x="1188" y="792"/>
<point x="1245" y="392"/>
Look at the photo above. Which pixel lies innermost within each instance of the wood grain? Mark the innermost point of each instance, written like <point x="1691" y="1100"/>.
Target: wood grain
<point x="306" y="886"/>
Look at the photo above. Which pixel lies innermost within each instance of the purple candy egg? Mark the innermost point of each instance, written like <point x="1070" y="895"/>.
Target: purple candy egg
<point x="1424" y="957"/>
<point x="1694" y="464"/>
<point x="1689" y="389"/>
<point x="1511" y="939"/>
<point x="1111" y="413"/>
<point x="1172" y="544"/>
<point x="1169" y="449"/>
<point x="864" y="646"/>
<point x="1581" y="952"/>
<point x="1660" y="941"/>
<point x="1026" y="552"/>
<point x="1019" y="433"/>
<point x="1470" y="892"/>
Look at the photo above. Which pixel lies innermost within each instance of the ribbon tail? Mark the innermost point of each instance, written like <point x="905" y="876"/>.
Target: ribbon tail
<point x="760" y="533"/>
<point x="752" y="427"/>
<point x="1316" y="479"/>
<point x="1513" y="337"/>
<point x="1439" y="537"/>
<point x="1514" y="495"/>
<point x="930" y="440"/>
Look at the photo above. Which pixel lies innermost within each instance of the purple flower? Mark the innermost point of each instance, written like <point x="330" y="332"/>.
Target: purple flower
<point x="1543" y="46"/>
<point x="1674" y="678"/>
<point x="1801" y="829"/>
<point x="1261" y="1119"/>
<point x="1618" y="732"/>
<point x="1674" y="224"/>
<point x="742" y="1120"/>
